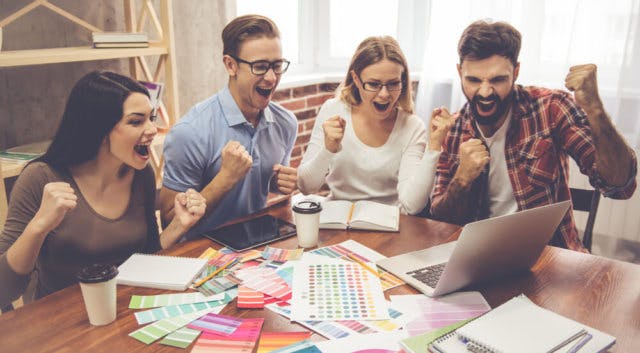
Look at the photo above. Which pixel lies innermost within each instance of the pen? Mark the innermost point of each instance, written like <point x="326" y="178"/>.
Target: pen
<point x="581" y="342"/>
<point x="218" y="270"/>
<point x="361" y="263"/>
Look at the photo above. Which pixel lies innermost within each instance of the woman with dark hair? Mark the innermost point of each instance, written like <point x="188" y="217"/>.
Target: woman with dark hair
<point x="90" y="198"/>
<point x="366" y="143"/>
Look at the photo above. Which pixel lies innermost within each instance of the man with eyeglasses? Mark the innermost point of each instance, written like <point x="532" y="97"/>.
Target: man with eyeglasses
<point x="509" y="149"/>
<point x="235" y="146"/>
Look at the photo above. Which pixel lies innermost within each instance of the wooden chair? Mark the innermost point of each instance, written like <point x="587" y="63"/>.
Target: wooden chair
<point x="3" y="200"/>
<point x="587" y="201"/>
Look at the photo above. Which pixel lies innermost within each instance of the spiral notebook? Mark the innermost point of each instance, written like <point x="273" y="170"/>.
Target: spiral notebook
<point x="519" y="325"/>
<point x="159" y="271"/>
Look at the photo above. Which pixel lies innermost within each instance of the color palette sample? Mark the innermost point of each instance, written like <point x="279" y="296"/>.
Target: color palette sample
<point x="281" y="255"/>
<point x="216" y="323"/>
<point x="300" y="347"/>
<point x="159" y="329"/>
<point x="265" y="280"/>
<point x="144" y="317"/>
<point x="181" y="338"/>
<point x="154" y="301"/>
<point x="242" y="340"/>
<point x="270" y="341"/>
<point x="433" y="313"/>
<point x="340" y="251"/>
<point x="336" y="290"/>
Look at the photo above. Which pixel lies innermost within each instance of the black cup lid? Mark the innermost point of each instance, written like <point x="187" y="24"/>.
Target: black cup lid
<point x="307" y="207"/>
<point x="97" y="273"/>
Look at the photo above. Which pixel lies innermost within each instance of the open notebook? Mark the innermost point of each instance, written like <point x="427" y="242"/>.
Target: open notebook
<point x="369" y="215"/>
<point x="519" y="325"/>
<point x="159" y="271"/>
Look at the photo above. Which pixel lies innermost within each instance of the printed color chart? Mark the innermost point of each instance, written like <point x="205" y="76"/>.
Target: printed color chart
<point x="336" y="291"/>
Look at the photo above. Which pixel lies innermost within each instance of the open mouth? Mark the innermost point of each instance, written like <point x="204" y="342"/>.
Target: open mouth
<point x="381" y="107"/>
<point x="486" y="106"/>
<point x="142" y="150"/>
<point x="265" y="92"/>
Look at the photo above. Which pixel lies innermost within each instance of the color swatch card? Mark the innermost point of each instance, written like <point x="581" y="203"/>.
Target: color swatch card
<point x="265" y="280"/>
<point x="432" y="313"/>
<point x="386" y="342"/>
<point x="281" y="255"/>
<point x="217" y="324"/>
<point x="181" y="338"/>
<point x="154" y="301"/>
<point x="270" y="341"/>
<point x="342" y="251"/>
<point x="147" y="316"/>
<point x="242" y="340"/>
<point x="299" y="347"/>
<point x="159" y="329"/>
<point x="336" y="290"/>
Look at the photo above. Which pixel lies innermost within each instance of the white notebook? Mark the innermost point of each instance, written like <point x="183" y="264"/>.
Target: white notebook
<point x="159" y="271"/>
<point x="368" y="215"/>
<point x="519" y="325"/>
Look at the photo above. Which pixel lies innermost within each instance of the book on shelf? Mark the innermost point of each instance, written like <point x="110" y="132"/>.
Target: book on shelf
<point x="24" y="153"/>
<point x="122" y="45"/>
<point x="369" y="215"/>
<point x="519" y="325"/>
<point x="119" y="37"/>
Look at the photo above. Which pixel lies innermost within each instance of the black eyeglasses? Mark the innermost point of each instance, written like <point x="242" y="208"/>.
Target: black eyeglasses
<point x="261" y="67"/>
<point x="375" y="86"/>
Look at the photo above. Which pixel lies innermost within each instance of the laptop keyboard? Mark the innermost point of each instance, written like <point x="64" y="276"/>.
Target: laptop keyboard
<point x="428" y="275"/>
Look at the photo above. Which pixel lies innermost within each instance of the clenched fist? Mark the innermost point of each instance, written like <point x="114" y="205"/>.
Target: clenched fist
<point x="440" y="124"/>
<point x="473" y="157"/>
<point x="582" y="80"/>
<point x="236" y="161"/>
<point x="57" y="199"/>
<point x="333" y="133"/>
<point x="286" y="178"/>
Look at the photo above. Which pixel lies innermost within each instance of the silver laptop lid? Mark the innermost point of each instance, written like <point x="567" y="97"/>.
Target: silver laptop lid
<point x="500" y="246"/>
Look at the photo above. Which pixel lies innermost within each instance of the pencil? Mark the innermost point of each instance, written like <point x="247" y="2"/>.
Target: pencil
<point x="218" y="270"/>
<point x="361" y="263"/>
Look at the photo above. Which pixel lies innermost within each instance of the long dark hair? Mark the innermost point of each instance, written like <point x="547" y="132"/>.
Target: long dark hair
<point x="94" y="107"/>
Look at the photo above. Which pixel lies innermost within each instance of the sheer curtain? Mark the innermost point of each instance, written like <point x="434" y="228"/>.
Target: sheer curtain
<point x="555" y="36"/>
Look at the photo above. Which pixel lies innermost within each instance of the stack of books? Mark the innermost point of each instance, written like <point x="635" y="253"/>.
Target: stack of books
<point x="119" y="40"/>
<point x="20" y="155"/>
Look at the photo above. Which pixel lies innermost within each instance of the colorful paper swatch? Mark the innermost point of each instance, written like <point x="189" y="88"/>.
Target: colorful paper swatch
<point x="154" y="301"/>
<point x="270" y="341"/>
<point x="159" y="329"/>
<point x="265" y="280"/>
<point x="216" y="323"/>
<point x="242" y="340"/>
<point x="432" y="313"/>
<point x="335" y="290"/>
<point x="281" y="255"/>
<point x="363" y="253"/>
<point x="181" y="338"/>
<point x="144" y="317"/>
<point x="300" y="347"/>
<point x="249" y="298"/>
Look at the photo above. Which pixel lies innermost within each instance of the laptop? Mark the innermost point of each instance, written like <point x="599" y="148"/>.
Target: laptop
<point x="485" y="250"/>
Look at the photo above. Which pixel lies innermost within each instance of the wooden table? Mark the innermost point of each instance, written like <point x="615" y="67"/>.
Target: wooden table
<point x="599" y="292"/>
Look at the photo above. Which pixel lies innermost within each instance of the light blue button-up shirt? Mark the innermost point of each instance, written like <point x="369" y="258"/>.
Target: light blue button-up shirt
<point x="193" y="154"/>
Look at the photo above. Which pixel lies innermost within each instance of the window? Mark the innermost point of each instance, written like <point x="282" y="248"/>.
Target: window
<point x="320" y="36"/>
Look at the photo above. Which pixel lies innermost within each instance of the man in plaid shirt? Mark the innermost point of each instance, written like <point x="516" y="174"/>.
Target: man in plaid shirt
<point x="509" y="147"/>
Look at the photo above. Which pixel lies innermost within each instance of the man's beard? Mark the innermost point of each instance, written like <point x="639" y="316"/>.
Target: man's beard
<point x="494" y="100"/>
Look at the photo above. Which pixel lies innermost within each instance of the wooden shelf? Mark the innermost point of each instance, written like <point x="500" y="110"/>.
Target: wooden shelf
<point x="10" y="169"/>
<point x="74" y="54"/>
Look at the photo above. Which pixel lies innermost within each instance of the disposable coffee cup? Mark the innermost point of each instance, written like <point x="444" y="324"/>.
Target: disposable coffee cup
<point x="307" y="218"/>
<point x="98" y="285"/>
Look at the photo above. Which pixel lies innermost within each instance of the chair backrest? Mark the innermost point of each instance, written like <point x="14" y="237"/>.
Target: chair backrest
<point x="587" y="201"/>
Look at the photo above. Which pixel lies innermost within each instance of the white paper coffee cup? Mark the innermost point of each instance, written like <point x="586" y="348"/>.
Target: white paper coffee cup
<point x="98" y="286"/>
<point x="307" y="218"/>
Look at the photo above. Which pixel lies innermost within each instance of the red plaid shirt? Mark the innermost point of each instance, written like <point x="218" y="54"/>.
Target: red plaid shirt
<point x="546" y="127"/>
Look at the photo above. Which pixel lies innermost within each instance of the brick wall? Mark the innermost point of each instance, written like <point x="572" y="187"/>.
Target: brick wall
<point x="305" y="102"/>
